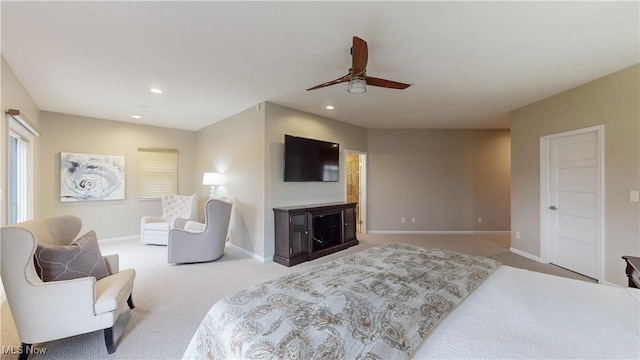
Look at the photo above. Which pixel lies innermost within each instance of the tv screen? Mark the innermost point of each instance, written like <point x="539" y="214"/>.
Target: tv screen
<point x="310" y="160"/>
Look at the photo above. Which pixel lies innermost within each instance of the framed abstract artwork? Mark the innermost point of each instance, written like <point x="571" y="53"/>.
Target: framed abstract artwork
<point x="91" y="177"/>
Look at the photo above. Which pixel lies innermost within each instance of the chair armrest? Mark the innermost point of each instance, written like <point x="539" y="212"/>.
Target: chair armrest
<point x="113" y="263"/>
<point x="74" y="298"/>
<point x="194" y="226"/>
<point x="178" y="223"/>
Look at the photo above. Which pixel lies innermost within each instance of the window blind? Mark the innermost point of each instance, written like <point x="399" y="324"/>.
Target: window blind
<point x="157" y="172"/>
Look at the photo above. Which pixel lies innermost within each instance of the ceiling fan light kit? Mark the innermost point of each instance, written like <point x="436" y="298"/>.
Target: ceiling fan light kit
<point x="357" y="78"/>
<point x="357" y="85"/>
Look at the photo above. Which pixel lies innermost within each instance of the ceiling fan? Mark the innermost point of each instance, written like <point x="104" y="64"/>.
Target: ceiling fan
<point x="357" y="76"/>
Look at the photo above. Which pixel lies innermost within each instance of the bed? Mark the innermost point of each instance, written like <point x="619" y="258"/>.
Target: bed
<point x="399" y="301"/>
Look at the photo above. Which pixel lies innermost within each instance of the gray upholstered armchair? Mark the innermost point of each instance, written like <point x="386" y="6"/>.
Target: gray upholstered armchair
<point x="176" y="211"/>
<point x="197" y="242"/>
<point x="55" y="309"/>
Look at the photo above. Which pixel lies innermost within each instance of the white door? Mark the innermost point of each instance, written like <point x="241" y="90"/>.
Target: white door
<point x="574" y="202"/>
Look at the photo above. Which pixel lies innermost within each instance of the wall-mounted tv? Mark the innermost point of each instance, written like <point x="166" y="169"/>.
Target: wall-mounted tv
<point x="310" y="160"/>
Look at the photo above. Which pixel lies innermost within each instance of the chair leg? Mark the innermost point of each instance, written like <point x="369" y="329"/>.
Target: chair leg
<point x="25" y="351"/>
<point x="108" y="339"/>
<point x="130" y="302"/>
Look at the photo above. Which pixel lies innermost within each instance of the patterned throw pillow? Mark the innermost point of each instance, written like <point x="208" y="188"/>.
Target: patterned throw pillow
<point x="81" y="258"/>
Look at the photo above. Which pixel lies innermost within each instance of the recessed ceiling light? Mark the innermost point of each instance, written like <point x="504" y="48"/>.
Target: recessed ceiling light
<point x="329" y="107"/>
<point x="136" y="116"/>
<point x="156" y="91"/>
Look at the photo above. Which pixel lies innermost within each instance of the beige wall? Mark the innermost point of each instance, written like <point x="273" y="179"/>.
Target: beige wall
<point x="15" y="96"/>
<point x="280" y="121"/>
<point x="114" y="218"/>
<point x="614" y="101"/>
<point x="235" y="147"/>
<point x="248" y="149"/>
<point x="446" y="179"/>
<point x="254" y="176"/>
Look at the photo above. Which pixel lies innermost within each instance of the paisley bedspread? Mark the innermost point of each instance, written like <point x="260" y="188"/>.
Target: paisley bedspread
<point x="376" y="304"/>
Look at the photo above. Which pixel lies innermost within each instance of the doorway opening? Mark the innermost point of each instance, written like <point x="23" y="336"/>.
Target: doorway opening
<point x="356" y="186"/>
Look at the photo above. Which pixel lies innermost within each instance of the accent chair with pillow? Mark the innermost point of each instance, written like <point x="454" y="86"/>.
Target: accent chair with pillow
<point x="59" y="287"/>
<point x="197" y="242"/>
<point x="176" y="211"/>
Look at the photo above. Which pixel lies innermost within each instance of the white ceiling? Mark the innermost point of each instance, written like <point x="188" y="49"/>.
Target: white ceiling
<point x="470" y="62"/>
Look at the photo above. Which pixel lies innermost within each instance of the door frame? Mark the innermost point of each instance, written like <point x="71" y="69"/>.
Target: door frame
<point x="362" y="216"/>
<point x="545" y="238"/>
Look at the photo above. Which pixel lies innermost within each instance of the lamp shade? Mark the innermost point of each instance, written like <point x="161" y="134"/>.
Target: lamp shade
<point x="211" y="178"/>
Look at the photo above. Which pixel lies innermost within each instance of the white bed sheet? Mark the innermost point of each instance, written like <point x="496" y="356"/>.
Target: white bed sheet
<point x="521" y="314"/>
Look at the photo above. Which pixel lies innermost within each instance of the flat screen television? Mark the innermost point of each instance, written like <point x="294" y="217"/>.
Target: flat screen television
<point x="310" y="160"/>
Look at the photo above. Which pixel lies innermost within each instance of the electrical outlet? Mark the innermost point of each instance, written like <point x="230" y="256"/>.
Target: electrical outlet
<point x="479" y="220"/>
<point x="404" y="220"/>
<point x="518" y="235"/>
<point x="634" y="196"/>
<point x="413" y="220"/>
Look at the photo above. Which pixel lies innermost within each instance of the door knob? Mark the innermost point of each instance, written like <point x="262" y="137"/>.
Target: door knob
<point x="553" y="207"/>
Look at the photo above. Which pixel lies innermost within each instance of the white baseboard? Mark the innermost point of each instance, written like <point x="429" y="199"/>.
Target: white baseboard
<point x="526" y="254"/>
<point x="118" y="239"/>
<point x="608" y="283"/>
<point x="137" y="237"/>
<point x="249" y="253"/>
<point x="401" y="232"/>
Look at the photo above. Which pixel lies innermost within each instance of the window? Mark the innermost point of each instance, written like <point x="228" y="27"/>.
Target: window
<point x="157" y="172"/>
<point x="20" y="170"/>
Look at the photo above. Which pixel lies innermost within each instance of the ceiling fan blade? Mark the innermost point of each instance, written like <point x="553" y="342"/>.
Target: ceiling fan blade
<point x="332" y="82"/>
<point x="359" y="55"/>
<point x="386" y="83"/>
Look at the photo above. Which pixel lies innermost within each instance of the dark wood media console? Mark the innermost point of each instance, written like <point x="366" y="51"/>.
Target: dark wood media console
<point x="308" y="232"/>
<point x="633" y="270"/>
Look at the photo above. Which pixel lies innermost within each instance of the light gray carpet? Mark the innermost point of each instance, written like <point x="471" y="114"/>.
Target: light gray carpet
<point x="171" y="300"/>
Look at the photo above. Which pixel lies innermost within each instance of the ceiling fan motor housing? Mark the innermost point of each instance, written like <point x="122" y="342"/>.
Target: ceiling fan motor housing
<point x="357" y="85"/>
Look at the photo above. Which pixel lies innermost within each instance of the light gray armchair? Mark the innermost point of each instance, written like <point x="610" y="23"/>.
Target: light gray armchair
<point x="197" y="242"/>
<point x="52" y="310"/>
<point x="176" y="211"/>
